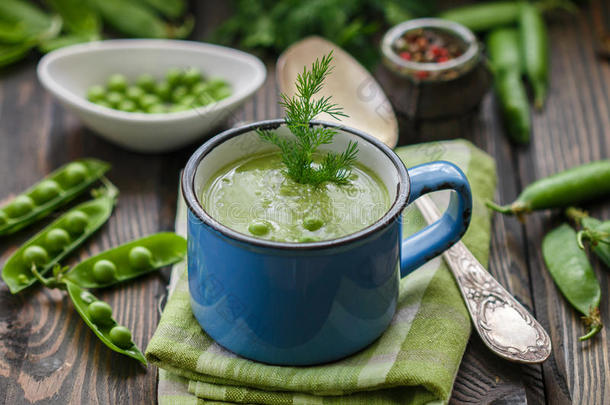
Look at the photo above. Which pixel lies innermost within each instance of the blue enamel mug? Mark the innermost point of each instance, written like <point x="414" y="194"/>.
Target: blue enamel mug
<point x="308" y="303"/>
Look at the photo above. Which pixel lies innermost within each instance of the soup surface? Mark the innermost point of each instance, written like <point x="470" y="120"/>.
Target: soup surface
<point x="254" y="197"/>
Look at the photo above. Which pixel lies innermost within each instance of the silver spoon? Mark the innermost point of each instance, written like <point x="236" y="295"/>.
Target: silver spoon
<point x="505" y="326"/>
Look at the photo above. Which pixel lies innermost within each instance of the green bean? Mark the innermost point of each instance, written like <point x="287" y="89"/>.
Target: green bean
<point x="68" y="181"/>
<point x="79" y="223"/>
<point x="80" y="19"/>
<point x="102" y="324"/>
<point x="169" y="8"/>
<point x="593" y="230"/>
<point x="535" y="46"/>
<point x="129" y="261"/>
<point x="485" y="16"/>
<point x="573" y="275"/>
<point x="563" y="189"/>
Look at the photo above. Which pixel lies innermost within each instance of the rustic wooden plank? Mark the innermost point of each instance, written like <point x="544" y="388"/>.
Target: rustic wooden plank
<point x="573" y="130"/>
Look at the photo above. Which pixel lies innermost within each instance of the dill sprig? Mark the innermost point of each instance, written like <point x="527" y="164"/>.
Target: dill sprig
<point x="300" y="109"/>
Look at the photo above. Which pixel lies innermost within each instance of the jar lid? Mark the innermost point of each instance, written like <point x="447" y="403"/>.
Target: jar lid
<point x="431" y="71"/>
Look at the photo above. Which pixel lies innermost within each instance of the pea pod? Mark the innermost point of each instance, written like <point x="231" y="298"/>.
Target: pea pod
<point x="129" y="261"/>
<point x="514" y="105"/>
<point x="61" y="41"/>
<point x="99" y="319"/>
<point x="80" y="19"/>
<point x="134" y="19"/>
<point x="504" y="49"/>
<point x="573" y="275"/>
<point x="484" y="16"/>
<point x="169" y="8"/>
<point x="47" y="248"/>
<point x="535" y="46"/>
<point x="563" y="189"/>
<point x="595" y="231"/>
<point x="34" y="21"/>
<point x="56" y="189"/>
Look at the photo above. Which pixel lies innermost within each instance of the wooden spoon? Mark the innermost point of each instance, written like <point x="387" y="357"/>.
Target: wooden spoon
<point x="350" y="85"/>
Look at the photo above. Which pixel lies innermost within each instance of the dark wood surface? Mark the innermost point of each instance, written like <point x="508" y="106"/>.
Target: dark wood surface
<point x="47" y="355"/>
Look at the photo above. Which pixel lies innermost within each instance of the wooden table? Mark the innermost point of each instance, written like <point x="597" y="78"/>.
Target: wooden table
<point x="47" y="355"/>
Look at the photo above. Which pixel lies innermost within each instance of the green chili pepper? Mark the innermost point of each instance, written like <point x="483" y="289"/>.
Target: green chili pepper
<point x="47" y="248"/>
<point x="80" y="19"/>
<point x="55" y="190"/>
<point x="129" y="261"/>
<point x="593" y="230"/>
<point x="535" y="46"/>
<point x="573" y="275"/>
<point x="134" y="19"/>
<point x="484" y="16"/>
<point x="563" y="189"/>
<point x="97" y="315"/>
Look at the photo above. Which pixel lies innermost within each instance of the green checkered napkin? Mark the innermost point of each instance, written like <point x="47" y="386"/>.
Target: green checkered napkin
<point x="415" y="361"/>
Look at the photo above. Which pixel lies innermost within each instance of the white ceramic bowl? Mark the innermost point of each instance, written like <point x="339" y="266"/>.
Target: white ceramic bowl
<point x="68" y="72"/>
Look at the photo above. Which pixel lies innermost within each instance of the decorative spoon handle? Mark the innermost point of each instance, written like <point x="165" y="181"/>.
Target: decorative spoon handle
<point x="504" y="325"/>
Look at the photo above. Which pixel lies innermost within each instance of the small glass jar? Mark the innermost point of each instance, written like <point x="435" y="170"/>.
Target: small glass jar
<point x="430" y="90"/>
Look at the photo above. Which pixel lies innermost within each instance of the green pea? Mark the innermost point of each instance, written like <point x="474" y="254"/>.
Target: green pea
<point x="104" y="271"/>
<point x="205" y="99"/>
<point x="157" y="109"/>
<point x="178" y="93"/>
<point x="307" y="239"/>
<point x="191" y="76"/>
<point x="117" y="82"/>
<point x="96" y="93"/>
<point x="35" y="255"/>
<point x="163" y="90"/>
<point x="148" y="100"/>
<point x="216" y="83"/>
<point x="3" y="217"/>
<point x="75" y="173"/>
<point x="200" y="88"/>
<point x="174" y="76"/>
<point x="100" y="313"/>
<point x="114" y="99"/>
<point x="140" y="258"/>
<point x="258" y="228"/>
<point x="76" y="222"/>
<point x="20" y="206"/>
<point x="312" y="223"/>
<point x="120" y="336"/>
<point x="127" y="106"/>
<point x="146" y="82"/>
<point x="57" y="239"/>
<point x="46" y="191"/>
<point x="103" y="103"/>
<point x="221" y="93"/>
<point x="188" y="101"/>
<point x="87" y="297"/>
<point x="134" y="93"/>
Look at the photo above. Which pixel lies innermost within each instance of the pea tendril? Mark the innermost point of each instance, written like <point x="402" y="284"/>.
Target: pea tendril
<point x="300" y="109"/>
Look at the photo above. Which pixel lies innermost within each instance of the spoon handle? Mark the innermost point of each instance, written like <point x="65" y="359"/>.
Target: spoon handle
<point x="504" y="325"/>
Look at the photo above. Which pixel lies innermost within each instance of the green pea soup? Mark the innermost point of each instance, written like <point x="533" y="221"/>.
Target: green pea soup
<point x="253" y="196"/>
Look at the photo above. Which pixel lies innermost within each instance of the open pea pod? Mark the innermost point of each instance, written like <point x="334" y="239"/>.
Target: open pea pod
<point x="596" y="232"/>
<point x="128" y="261"/>
<point x="95" y="315"/>
<point x="56" y="189"/>
<point x="48" y="247"/>
<point x="573" y="275"/>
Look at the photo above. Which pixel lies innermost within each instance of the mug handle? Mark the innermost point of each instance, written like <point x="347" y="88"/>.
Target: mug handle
<point x="442" y="234"/>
